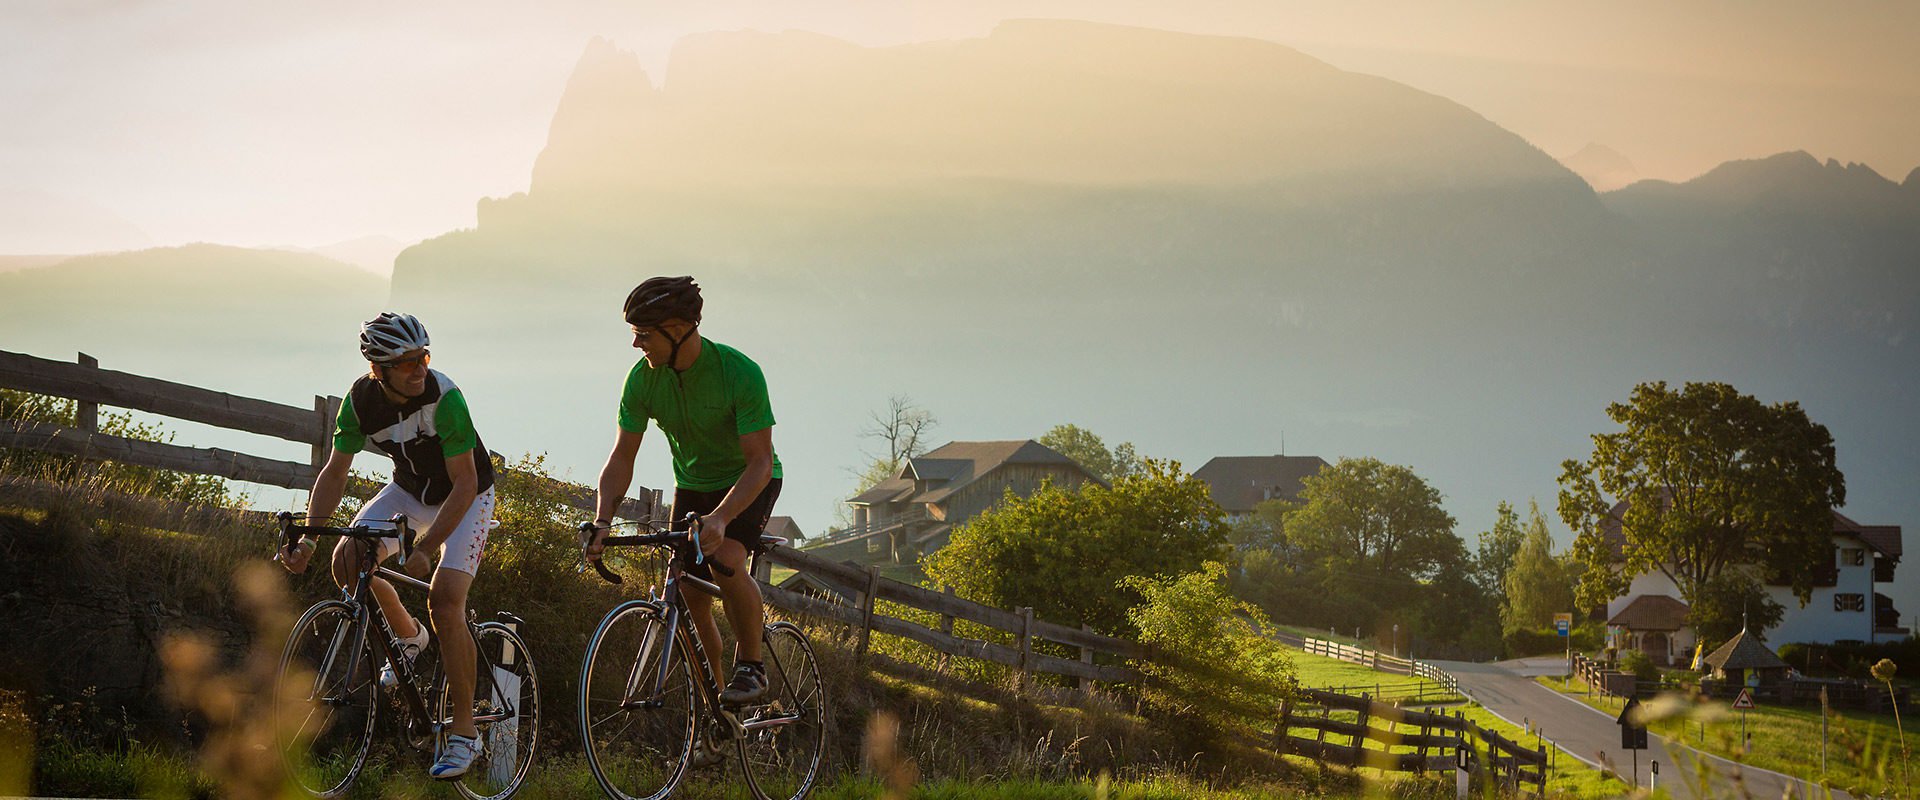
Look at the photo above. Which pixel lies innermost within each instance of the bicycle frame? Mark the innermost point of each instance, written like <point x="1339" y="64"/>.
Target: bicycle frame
<point x="365" y="613"/>
<point x="671" y="605"/>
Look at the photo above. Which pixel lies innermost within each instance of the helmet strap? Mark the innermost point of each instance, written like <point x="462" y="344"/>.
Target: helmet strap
<point x="673" y="353"/>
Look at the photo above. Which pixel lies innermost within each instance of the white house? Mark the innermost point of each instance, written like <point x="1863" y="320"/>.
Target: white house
<point x="1844" y="605"/>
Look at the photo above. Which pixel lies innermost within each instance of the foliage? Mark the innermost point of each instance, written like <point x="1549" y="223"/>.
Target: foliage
<point x="1497" y="549"/>
<point x="902" y="428"/>
<point x="1091" y="453"/>
<point x="1640" y="665"/>
<point x="1852" y="659"/>
<point x="1537" y="584"/>
<point x="1710" y="478"/>
<point x="1730" y="601"/>
<point x="1193" y="617"/>
<point x="1064" y="552"/>
<point x="162" y="484"/>
<point x="1368" y="547"/>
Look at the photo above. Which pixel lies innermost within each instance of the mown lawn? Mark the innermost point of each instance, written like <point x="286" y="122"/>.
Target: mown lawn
<point x="1863" y="751"/>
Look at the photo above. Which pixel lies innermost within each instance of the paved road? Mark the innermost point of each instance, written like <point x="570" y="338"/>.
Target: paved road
<point x="1578" y="730"/>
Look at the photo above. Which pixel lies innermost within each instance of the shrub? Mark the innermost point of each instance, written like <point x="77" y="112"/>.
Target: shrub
<point x="1640" y="665"/>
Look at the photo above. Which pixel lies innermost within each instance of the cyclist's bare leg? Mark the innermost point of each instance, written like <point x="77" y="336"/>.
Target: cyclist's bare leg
<point x="447" y="607"/>
<point x="746" y="610"/>
<point x="700" y="610"/>
<point x="346" y="566"/>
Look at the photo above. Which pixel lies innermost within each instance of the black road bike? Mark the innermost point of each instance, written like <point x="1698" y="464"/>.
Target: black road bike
<point x="648" y="701"/>
<point x="330" y="692"/>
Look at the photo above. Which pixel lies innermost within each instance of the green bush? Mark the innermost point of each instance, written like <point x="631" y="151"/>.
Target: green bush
<point x="1193" y="618"/>
<point x="1640" y="665"/>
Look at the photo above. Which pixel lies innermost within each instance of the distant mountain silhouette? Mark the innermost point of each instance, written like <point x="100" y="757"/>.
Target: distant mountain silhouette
<point x="50" y="223"/>
<point x="229" y="318"/>
<point x="1603" y="168"/>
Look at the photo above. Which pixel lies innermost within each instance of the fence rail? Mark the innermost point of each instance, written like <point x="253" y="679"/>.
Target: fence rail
<point x="84" y="382"/>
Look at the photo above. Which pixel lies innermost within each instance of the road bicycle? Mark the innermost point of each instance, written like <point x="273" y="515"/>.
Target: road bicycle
<point x="646" y="694"/>
<point x="331" y="696"/>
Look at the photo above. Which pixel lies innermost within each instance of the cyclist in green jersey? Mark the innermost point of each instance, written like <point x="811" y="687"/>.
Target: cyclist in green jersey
<point x="442" y="482"/>
<point x="711" y="402"/>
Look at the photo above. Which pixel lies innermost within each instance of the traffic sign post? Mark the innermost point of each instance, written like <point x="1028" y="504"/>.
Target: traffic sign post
<point x="1563" y="625"/>
<point x="1744" y="703"/>
<point x="1633" y="735"/>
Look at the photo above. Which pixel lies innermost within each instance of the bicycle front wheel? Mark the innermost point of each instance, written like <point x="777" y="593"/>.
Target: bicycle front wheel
<point x="786" y="737"/>
<point x="326" y="700"/>
<point x="506" y="710"/>
<point x="636" y="704"/>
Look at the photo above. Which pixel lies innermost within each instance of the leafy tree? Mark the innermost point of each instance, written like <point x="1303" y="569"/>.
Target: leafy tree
<point x="1064" y="552"/>
<point x="1194" y="617"/>
<point x="1497" y="549"/>
<point x="1378" y="522"/>
<point x="1090" y="452"/>
<point x="1711" y="478"/>
<point x="1727" y="602"/>
<point x="1537" y="585"/>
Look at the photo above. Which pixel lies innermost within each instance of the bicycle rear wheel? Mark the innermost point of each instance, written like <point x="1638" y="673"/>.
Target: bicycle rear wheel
<point x="786" y="736"/>
<point x="506" y="710"/>
<point x="326" y="700"/>
<point x="636" y="705"/>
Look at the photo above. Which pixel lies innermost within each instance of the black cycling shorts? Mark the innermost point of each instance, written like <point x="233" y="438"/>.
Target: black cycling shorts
<point x="745" y="529"/>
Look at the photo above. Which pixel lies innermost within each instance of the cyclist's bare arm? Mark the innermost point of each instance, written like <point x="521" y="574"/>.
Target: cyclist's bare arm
<point x="615" y="478"/>
<point x="758" y="448"/>
<point x="321" y="503"/>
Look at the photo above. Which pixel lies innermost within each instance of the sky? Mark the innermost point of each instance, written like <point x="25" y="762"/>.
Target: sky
<point x="135" y="124"/>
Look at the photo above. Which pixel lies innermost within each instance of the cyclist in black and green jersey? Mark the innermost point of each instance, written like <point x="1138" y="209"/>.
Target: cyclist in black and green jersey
<point x="442" y="482"/>
<point x="711" y="402"/>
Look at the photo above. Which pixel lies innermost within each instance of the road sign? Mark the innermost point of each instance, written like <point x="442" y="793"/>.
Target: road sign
<point x="1745" y="701"/>
<point x="1562" y="623"/>
<point x="1633" y="734"/>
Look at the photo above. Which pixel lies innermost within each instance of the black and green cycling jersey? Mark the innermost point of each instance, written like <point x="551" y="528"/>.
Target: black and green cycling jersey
<point x="703" y="411"/>
<point x="419" y="435"/>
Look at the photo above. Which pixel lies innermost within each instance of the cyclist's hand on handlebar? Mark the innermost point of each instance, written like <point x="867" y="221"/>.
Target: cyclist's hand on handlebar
<point x="712" y="530"/>
<point x="295" y="557"/>
<point x="418" y="564"/>
<point x="593" y="538"/>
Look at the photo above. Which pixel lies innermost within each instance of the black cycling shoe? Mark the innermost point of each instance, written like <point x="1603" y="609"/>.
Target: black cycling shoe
<point x="749" y="684"/>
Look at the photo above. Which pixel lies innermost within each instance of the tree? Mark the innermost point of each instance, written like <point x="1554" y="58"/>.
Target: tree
<point x="1710" y="478"/>
<point x="902" y="427"/>
<point x="1497" y="549"/>
<point x="1064" y="552"/>
<point x="1536" y="586"/>
<point x="1370" y="540"/>
<point x="1087" y="450"/>
<point x="1729" y="602"/>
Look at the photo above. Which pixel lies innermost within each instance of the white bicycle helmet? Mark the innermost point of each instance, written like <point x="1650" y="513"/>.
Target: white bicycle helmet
<point x="390" y="336"/>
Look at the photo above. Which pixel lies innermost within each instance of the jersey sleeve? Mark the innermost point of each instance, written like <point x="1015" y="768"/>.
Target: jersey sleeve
<point x="634" y="411"/>
<point x="347" y="436"/>
<point x="454" y="424"/>
<point x="752" y="410"/>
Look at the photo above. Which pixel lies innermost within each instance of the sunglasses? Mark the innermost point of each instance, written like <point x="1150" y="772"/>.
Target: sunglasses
<point x="408" y="363"/>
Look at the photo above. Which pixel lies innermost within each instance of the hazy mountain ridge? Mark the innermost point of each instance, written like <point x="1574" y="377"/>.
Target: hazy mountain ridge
<point x="235" y="319"/>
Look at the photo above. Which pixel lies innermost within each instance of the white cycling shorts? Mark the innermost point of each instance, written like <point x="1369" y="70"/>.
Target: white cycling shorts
<point x="463" y="547"/>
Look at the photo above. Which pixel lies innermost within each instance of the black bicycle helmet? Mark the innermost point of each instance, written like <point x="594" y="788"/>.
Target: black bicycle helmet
<point x="390" y="336"/>
<point x="660" y="299"/>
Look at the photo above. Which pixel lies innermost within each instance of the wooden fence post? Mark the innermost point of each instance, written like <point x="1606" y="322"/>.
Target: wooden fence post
<point x="946" y="627"/>
<point x="322" y="431"/>
<point x="1026" y="645"/>
<point x="1360" y="733"/>
<point x="86" y="415"/>
<point x="1086" y="657"/>
<point x="866" y="609"/>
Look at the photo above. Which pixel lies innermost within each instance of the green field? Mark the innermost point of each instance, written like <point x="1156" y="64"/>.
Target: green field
<point x="1863" y="751"/>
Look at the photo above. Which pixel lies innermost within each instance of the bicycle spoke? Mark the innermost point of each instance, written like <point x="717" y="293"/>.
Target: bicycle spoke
<point x="636" y="712"/>
<point x="786" y="737"/>
<point x="326" y="735"/>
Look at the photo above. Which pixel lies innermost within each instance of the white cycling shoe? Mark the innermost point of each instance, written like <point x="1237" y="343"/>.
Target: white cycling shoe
<point x="456" y="758"/>
<point x="409" y="650"/>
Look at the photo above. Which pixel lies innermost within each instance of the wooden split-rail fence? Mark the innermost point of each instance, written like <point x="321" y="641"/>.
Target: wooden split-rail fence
<point x="1101" y="658"/>
<point x="1389" y="737"/>
<point x="90" y="387"/>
